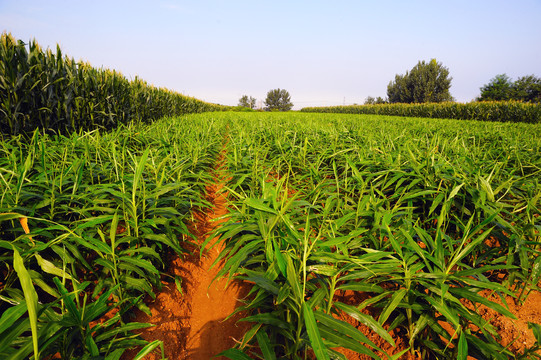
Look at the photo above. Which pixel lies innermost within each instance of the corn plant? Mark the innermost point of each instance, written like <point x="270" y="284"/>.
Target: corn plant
<point x="512" y="111"/>
<point x="43" y="89"/>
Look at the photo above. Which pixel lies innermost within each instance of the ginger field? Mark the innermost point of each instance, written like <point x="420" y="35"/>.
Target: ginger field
<point x="356" y="236"/>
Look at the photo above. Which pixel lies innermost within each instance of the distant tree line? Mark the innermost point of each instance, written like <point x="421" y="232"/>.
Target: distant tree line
<point x="526" y="88"/>
<point x="247" y="102"/>
<point x="426" y="82"/>
<point x="430" y="82"/>
<point x="277" y="100"/>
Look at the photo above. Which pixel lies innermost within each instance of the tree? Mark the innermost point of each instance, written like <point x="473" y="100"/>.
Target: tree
<point x="370" y="100"/>
<point x="426" y="82"/>
<point x="246" y="101"/>
<point x="499" y="87"/>
<point x="526" y="88"/>
<point x="278" y="99"/>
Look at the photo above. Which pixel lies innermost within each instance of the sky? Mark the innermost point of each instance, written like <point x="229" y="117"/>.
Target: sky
<point x="322" y="52"/>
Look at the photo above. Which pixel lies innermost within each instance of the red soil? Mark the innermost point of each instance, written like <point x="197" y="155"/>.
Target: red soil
<point x="192" y="325"/>
<point x="514" y="333"/>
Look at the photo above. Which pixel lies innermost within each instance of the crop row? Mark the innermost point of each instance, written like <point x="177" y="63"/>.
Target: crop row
<point x="415" y="217"/>
<point x="353" y="230"/>
<point x="508" y="111"/>
<point x="86" y="224"/>
<point x="45" y="90"/>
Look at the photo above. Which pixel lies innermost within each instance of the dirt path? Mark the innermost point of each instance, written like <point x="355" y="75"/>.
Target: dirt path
<point x="191" y="325"/>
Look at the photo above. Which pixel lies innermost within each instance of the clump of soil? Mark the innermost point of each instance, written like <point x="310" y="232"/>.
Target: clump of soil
<point x="514" y="333"/>
<point x="192" y="325"/>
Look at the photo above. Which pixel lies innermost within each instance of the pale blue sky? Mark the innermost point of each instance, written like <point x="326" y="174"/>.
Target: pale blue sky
<point x="322" y="52"/>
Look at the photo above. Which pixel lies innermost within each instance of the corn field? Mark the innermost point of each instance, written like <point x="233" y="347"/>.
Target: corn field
<point x="46" y="90"/>
<point x="506" y="111"/>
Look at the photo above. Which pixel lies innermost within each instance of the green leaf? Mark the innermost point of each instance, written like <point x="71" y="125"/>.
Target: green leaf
<point x="418" y="194"/>
<point x="257" y="204"/>
<point x="30" y="296"/>
<point x="343" y="328"/>
<point x="73" y="315"/>
<point x="265" y="346"/>
<point x="393" y="303"/>
<point x="261" y="281"/>
<point x="443" y="309"/>
<point x="91" y="344"/>
<point x="320" y="350"/>
<point x="476" y="298"/>
<point x="535" y="273"/>
<point x="139" y="170"/>
<point x="115" y="354"/>
<point x="148" y="349"/>
<point x="536" y="328"/>
<point x="248" y="335"/>
<point x="125" y="328"/>
<point x="366" y="320"/>
<point x="467" y="249"/>
<point x="267" y="318"/>
<point x="279" y="258"/>
<point x="50" y="268"/>
<point x="283" y="294"/>
<point x="485" y="185"/>
<point x="11" y="315"/>
<point x="462" y="347"/>
<point x="141" y="263"/>
<point x="178" y="284"/>
<point x="293" y="280"/>
<point x="364" y="287"/>
<point x="455" y="191"/>
<point x="322" y="269"/>
<point x="234" y="354"/>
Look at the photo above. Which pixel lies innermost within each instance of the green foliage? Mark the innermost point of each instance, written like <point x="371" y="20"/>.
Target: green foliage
<point x="505" y="111"/>
<point x="397" y="210"/>
<point x="247" y="102"/>
<point x="499" y="88"/>
<point x="382" y="222"/>
<point x="426" y="82"/>
<point x="526" y="88"/>
<point x="86" y="223"/>
<point x="278" y="100"/>
<point x="241" y="108"/>
<point x="373" y="101"/>
<point x="45" y="90"/>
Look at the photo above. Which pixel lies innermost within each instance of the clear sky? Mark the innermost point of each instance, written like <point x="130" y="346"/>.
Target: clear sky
<point x="322" y="52"/>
